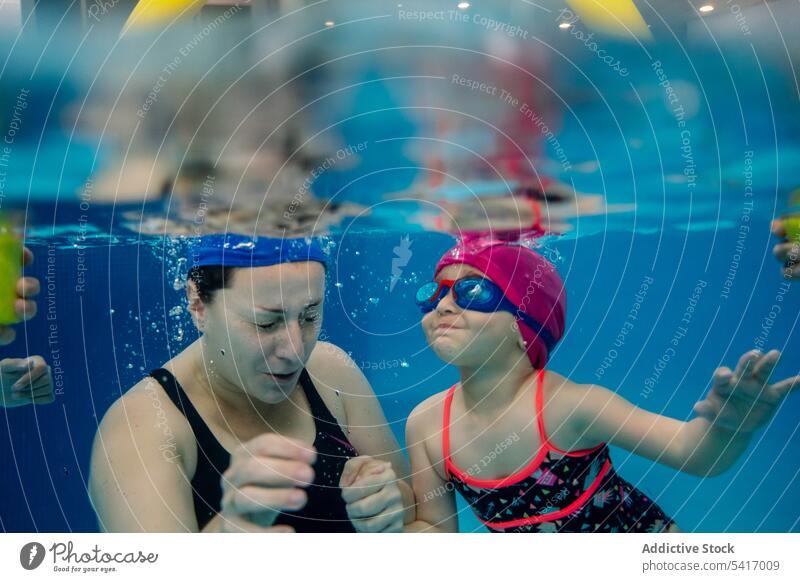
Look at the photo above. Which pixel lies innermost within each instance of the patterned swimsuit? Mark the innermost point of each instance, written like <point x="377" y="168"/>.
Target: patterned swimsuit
<point x="558" y="491"/>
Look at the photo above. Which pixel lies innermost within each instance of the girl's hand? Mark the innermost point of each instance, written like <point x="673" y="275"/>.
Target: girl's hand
<point x="373" y="498"/>
<point x="25" y="381"/>
<point x="266" y="476"/>
<point x="743" y="401"/>
<point x="24" y="307"/>
<point x="786" y="251"/>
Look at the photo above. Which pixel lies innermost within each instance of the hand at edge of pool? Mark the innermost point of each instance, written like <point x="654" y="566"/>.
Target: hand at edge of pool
<point x="786" y="251"/>
<point x="25" y="381"/>
<point x="25" y="308"/>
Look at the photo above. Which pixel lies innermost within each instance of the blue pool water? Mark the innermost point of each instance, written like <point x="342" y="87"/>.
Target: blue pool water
<point x="125" y="320"/>
<point x="692" y="262"/>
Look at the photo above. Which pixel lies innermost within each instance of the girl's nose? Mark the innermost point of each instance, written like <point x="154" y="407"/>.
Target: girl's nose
<point x="447" y="304"/>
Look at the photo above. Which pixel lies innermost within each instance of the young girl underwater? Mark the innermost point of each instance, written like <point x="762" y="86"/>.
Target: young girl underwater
<point x="528" y="448"/>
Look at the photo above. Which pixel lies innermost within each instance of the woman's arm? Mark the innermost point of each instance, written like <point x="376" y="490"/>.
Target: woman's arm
<point x="436" y="503"/>
<point x="332" y="369"/>
<point x="738" y="404"/>
<point x="138" y="480"/>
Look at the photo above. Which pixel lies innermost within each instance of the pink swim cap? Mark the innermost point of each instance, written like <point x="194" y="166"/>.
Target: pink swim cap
<point x="527" y="279"/>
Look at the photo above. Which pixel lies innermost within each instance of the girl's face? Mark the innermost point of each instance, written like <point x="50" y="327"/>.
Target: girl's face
<point x="259" y="331"/>
<point x="467" y="338"/>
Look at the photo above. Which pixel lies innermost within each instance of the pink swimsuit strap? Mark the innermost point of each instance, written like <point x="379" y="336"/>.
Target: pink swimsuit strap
<point x="525" y="472"/>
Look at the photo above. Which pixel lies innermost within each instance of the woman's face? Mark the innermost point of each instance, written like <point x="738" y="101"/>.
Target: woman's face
<point x="261" y="329"/>
<point x="463" y="337"/>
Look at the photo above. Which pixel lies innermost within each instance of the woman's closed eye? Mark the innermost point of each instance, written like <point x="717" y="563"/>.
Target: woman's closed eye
<point x="311" y="316"/>
<point x="308" y="317"/>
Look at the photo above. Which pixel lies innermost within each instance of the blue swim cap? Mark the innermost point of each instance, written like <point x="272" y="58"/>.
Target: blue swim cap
<point x="238" y="250"/>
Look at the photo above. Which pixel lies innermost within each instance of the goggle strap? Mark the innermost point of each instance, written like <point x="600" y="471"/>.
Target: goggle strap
<point x="539" y="329"/>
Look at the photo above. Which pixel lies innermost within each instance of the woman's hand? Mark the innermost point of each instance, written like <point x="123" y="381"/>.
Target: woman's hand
<point x="24" y="307"/>
<point x="25" y="381"/>
<point x="786" y="251"/>
<point x="744" y="401"/>
<point x="266" y="476"/>
<point x="370" y="490"/>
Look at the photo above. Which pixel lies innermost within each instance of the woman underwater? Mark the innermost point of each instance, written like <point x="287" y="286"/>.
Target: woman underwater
<point x="256" y="426"/>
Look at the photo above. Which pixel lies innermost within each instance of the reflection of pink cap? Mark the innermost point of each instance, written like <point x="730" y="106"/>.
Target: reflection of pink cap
<point x="527" y="279"/>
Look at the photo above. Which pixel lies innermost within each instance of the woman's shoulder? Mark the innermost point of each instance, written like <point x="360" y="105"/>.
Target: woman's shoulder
<point x="335" y="376"/>
<point x="328" y="356"/>
<point x="140" y="454"/>
<point x="333" y="368"/>
<point x="145" y="416"/>
<point x="146" y="392"/>
<point x="148" y="400"/>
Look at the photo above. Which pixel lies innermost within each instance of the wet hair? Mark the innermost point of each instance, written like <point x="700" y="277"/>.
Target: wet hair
<point x="210" y="279"/>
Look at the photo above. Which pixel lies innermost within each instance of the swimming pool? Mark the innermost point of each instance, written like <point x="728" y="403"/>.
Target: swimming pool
<point x="699" y="149"/>
<point x="102" y="329"/>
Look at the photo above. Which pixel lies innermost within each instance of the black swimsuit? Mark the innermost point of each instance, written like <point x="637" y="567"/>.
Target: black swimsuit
<point x="325" y="510"/>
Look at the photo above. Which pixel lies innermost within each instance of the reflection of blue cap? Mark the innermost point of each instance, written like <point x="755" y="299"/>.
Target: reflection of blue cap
<point x="237" y="250"/>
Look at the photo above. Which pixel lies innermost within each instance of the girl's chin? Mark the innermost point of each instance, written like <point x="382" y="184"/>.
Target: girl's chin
<point x="448" y="351"/>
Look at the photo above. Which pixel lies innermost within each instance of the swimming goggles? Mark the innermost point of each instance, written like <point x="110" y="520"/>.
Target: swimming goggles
<point x="477" y="294"/>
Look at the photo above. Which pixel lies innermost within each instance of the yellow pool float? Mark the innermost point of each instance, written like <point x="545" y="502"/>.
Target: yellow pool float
<point x="152" y="13"/>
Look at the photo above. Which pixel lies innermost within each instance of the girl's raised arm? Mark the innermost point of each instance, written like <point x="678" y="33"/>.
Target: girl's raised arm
<point x="738" y="404"/>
